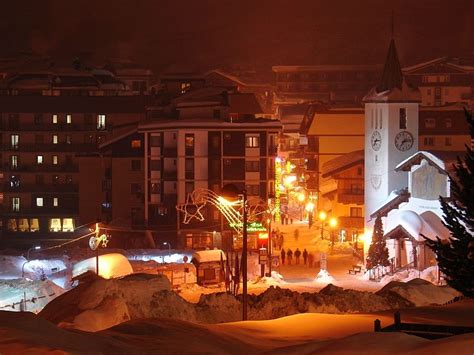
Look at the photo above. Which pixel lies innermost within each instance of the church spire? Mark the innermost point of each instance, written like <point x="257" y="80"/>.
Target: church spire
<point x="392" y="72"/>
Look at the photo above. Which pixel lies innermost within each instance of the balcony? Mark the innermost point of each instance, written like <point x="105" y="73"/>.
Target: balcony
<point x="59" y="188"/>
<point x="351" y="222"/>
<point x="61" y="147"/>
<point x="170" y="175"/>
<point x="49" y="127"/>
<point x="351" y="197"/>
<point x="170" y="152"/>
<point x="47" y="168"/>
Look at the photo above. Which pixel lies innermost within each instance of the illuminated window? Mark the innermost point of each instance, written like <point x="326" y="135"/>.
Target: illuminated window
<point x="68" y="225"/>
<point x="23" y="225"/>
<point x="55" y="225"/>
<point x="55" y="202"/>
<point x="55" y="139"/>
<point x="100" y="122"/>
<point x="69" y="119"/>
<point x="12" y="225"/>
<point x="34" y="225"/>
<point x="55" y="160"/>
<point x="39" y="159"/>
<point x="15" y="204"/>
<point x="14" y="161"/>
<point x="136" y="143"/>
<point x="39" y="202"/>
<point x="252" y="141"/>
<point x="185" y="87"/>
<point x="189" y="144"/>
<point x="15" y="140"/>
<point x="403" y="118"/>
<point x="55" y="119"/>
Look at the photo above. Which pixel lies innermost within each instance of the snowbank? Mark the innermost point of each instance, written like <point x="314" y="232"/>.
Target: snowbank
<point x="419" y="292"/>
<point x="205" y="256"/>
<point x="323" y="276"/>
<point x="274" y="280"/>
<point x="38" y="294"/>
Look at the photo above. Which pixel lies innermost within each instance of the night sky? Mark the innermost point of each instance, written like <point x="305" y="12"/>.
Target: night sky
<point x="195" y="35"/>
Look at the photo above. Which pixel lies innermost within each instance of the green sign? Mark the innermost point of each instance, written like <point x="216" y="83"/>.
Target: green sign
<point x="251" y="227"/>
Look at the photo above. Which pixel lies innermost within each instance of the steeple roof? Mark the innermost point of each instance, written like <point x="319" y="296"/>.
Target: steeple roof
<point x="393" y="88"/>
<point x="392" y="72"/>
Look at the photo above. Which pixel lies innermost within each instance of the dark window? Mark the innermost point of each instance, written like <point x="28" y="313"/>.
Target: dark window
<point x="38" y="118"/>
<point x="136" y="165"/>
<point x="39" y="179"/>
<point x="253" y="190"/>
<point x="135" y="188"/>
<point x="39" y="139"/>
<point x="217" y="113"/>
<point x="155" y="141"/>
<point x="68" y="179"/>
<point x="252" y="166"/>
<point x="403" y="118"/>
<point x="155" y="165"/>
<point x="88" y="119"/>
<point x="55" y="179"/>
<point x="154" y="188"/>
<point x="188" y="187"/>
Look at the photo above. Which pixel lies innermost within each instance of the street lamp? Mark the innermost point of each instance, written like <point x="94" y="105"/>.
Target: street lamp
<point x="169" y="249"/>
<point x="231" y="191"/>
<point x="37" y="247"/>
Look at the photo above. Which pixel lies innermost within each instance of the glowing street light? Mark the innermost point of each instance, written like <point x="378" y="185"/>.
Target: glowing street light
<point x="322" y="216"/>
<point x="169" y="249"/>
<point x="37" y="247"/>
<point x="332" y="222"/>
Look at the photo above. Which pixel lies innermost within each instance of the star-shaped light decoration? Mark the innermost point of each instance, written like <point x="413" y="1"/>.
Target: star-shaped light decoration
<point x="191" y="209"/>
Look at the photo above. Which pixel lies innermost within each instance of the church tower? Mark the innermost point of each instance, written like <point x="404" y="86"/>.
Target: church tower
<point x="391" y="133"/>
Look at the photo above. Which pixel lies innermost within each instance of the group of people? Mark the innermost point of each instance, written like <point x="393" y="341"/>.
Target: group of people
<point x="287" y="256"/>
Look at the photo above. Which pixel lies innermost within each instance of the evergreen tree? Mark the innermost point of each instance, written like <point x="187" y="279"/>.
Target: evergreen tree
<point x="378" y="251"/>
<point x="455" y="256"/>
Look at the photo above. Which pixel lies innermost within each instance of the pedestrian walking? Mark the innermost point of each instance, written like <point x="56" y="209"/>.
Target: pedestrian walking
<point x="281" y="240"/>
<point x="297" y="256"/>
<point x="305" y="256"/>
<point x="310" y="260"/>
<point x="283" y="255"/>
<point x="289" y="255"/>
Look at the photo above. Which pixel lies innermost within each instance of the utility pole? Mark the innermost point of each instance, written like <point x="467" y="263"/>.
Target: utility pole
<point x="244" y="257"/>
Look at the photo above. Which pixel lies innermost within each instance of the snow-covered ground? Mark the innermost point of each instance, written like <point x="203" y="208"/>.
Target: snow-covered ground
<point x="297" y="334"/>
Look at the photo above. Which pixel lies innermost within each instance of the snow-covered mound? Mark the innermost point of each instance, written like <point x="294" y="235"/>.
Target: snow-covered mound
<point x="419" y="292"/>
<point x="110" y="265"/>
<point x="274" y="280"/>
<point x="38" y="294"/>
<point x="323" y="276"/>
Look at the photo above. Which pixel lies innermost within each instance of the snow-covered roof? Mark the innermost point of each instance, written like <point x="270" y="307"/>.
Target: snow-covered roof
<point x="343" y="162"/>
<point x="416" y="159"/>
<point x="205" y="256"/>
<point x="427" y="224"/>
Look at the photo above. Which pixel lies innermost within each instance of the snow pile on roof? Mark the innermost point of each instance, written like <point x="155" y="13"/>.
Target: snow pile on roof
<point x="420" y="292"/>
<point x="110" y="266"/>
<point x="415" y="159"/>
<point x="428" y="224"/>
<point x="205" y="256"/>
<point x="430" y="274"/>
<point x="11" y="267"/>
<point x="324" y="277"/>
<point x="38" y="294"/>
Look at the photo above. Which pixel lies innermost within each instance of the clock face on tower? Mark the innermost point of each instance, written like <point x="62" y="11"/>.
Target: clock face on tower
<point x="404" y="141"/>
<point x="376" y="140"/>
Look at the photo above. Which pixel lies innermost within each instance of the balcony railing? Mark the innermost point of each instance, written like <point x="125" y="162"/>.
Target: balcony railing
<point x="71" y="188"/>
<point x="351" y="197"/>
<point x="45" y="127"/>
<point x="351" y="222"/>
<point x="60" y="147"/>
<point x="53" y="168"/>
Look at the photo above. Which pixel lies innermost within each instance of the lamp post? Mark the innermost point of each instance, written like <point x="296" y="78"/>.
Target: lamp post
<point x="28" y="259"/>
<point x="322" y="217"/>
<point x="169" y="249"/>
<point x="232" y="191"/>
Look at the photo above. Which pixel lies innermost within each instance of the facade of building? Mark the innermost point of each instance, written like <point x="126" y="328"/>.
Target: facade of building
<point x="205" y="147"/>
<point x="42" y="138"/>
